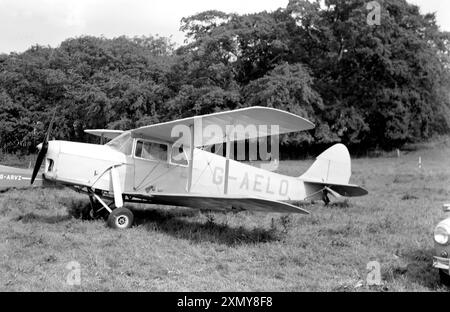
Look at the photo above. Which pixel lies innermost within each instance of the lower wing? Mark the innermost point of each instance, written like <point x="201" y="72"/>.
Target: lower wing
<point x="236" y="203"/>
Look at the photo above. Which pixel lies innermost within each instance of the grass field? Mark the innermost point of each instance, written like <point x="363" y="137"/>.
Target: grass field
<point x="174" y="249"/>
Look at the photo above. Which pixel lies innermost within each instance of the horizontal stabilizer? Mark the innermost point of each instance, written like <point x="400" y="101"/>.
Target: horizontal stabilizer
<point x="17" y="178"/>
<point x="346" y="190"/>
<point x="220" y="202"/>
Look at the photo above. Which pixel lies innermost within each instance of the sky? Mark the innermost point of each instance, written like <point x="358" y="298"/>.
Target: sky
<point x="24" y="23"/>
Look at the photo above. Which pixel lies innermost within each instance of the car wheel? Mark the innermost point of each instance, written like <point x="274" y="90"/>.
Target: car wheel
<point x="120" y="218"/>
<point x="444" y="277"/>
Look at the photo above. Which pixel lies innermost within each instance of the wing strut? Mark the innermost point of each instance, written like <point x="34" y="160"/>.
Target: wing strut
<point x="118" y="200"/>
<point x="191" y="157"/>
<point x="116" y="184"/>
<point x="227" y="163"/>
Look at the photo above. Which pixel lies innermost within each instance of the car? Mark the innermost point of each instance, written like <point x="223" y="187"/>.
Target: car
<point x="441" y="259"/>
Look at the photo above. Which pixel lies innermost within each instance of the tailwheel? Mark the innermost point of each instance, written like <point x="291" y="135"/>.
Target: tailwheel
<point x="120" y="218"/>
<point x="325" y="197"/>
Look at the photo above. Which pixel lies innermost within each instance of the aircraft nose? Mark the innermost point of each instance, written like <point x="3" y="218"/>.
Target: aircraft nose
<point x="52" y="147"/>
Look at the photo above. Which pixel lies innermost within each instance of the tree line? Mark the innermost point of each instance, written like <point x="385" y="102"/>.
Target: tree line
<point x="367" y="86"/>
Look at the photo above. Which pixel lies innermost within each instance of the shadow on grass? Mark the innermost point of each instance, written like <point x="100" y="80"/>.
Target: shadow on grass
<point x="74" y="209"/>
<point x="419" y="269"/>
<point x="6" y="190"/>
<point x="340" y="204"/>
<point x="179" y="223"/>
<point x="176" y="224"/>
<point x="32" y="217"/>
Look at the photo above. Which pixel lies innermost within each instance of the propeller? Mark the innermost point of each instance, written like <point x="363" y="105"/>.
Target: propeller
<point x="43" y="151"/>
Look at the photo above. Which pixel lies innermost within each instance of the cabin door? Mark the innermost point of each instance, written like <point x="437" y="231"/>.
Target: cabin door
<point x="154" y="169"/>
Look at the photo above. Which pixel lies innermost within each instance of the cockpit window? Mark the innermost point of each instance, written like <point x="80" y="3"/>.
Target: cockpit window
<point x="151" y="151"/>
<point x="123" y="143"/>
<point x="178" y="155"/>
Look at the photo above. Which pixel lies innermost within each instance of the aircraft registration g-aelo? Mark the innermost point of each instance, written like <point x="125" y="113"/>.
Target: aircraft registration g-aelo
<point x="158" y="164"/>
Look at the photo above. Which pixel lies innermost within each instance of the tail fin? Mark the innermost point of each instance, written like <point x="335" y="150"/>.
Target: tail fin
<point x="330" y="174"/>
<point x="332" y="166"/>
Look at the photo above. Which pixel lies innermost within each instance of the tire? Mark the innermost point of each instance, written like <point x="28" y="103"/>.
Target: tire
<point x="120" y="219"/>
<point x="444" y="277"/>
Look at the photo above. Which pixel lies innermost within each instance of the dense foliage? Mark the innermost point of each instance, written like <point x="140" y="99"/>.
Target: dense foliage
<point x="376" y="86"/>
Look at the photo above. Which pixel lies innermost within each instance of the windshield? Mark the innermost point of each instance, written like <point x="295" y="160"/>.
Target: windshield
<point x="123" y="143"/>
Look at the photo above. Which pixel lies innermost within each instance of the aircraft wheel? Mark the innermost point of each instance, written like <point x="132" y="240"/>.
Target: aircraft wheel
<point x="444" y="277"/>
<point x="120" y="218"/>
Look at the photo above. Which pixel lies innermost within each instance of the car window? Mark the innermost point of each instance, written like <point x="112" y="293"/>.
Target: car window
<point x="151" y="151"/>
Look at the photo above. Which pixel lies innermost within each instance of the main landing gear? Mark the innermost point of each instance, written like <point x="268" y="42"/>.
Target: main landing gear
<point x="116" y="218"/>
<point x="120" y="218"/>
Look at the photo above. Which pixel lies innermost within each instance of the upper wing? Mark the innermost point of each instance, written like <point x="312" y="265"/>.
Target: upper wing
<point x="220" y="202"/>
<point x="109" y="134"/>
<point x="245" y="117"/>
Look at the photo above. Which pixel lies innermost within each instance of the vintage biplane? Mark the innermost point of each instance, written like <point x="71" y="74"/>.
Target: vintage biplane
<point x="161" y="164"/>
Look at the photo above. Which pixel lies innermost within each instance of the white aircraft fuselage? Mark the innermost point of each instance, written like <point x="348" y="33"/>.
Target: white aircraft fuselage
<point x="87" y="165"/>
